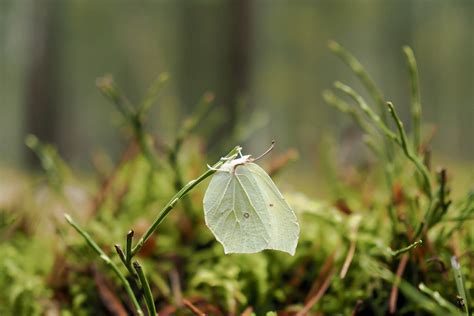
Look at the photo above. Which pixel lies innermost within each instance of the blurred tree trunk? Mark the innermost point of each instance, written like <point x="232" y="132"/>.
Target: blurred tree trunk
<point x="215" y="47"/>
<point x="239" y="56"/>
<point x="41" y="95"/>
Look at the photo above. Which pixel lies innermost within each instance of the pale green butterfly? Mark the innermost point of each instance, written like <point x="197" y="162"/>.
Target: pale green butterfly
<point x="245" y="210"/>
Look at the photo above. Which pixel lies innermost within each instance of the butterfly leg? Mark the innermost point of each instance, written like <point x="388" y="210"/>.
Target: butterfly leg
<point x="212" y="168"/>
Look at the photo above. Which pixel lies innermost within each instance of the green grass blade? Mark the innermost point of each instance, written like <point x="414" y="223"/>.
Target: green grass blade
<point x="458" y="277"/>
<point x="150" y="303"/>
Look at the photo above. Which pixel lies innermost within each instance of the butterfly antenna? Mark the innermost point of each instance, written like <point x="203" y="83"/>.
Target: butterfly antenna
<point x="266" y="152"/>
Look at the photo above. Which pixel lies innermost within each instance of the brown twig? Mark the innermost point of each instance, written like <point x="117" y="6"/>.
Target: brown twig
<point x="176" y="287"/>
<point x="394" y="292"/>
<point x="247" y="312"/>
<point x="107" y="295"/>
<point x="280" y="162"/>
<point x="192" y="307"/>
<point x="315" y="299"/>
<point x="204" y="306"/>
<point x="348" y="260"/>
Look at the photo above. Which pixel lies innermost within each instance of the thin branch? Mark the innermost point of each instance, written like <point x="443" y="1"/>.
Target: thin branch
<point x="152" y="94"/>
<point x="435" y="295"/>
<point x="193" y="307"/>
<point x="363" y="75"/>
<point x="348" y="260"/>
<point x="408" y="152"/>
<point x="458" y="276"/>
<point x="134" y="117"/>
<point x="128" y="249"/>
<point x="170" y="205"/>
<point x="415" y="96"/>
<point x="366" y="109"/>
<point x="342" y="106"/>
<point x="150" y="303"/>
<point x="188" y="126"/>
<point x="414" y="245"/>
<point x="125" y="257"/>
<point x="394" y="292"/>
<point x="107" y="260"/>
<point x="315" y="299"/>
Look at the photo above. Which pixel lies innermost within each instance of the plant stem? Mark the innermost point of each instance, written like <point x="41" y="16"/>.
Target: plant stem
<point x="121" y="255"/>
<point x="150" y="303"/>
<point x="363" y="75"/>
<point x="133" y="116"/>
<point x="128" y="249"/>
<point x="108" y="261"/>
<point x="458" y="277"/>
<point x="416" y="244"/>
<point x="184" y="190"/>
<point x="415" y="96"/>
<point x="141" y="137"/>
<point x="406" y="149"/>
<point x="376" y="95"/>
<point x="342" y="106"/>
<point x="126" y="257"/>
<point x="152" y="94"/>
<point x="107" y="87"/>
<point x="438" y="298"/>
<point x="401" y="139"/>
<point x="188" y="126"/>
<point x="366" y="109"/>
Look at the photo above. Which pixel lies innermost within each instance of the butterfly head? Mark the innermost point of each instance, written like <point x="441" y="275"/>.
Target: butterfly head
<point x="230" y="165"/>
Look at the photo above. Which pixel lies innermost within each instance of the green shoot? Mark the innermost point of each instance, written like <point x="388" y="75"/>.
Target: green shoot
<point x="107" y="261"/>
<point x="150" y="303"/>
<point x="180" y="194"/>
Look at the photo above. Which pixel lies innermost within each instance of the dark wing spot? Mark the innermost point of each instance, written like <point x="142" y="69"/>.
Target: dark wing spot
<point x="271" y="205"/>
<point x="246" y="215"/>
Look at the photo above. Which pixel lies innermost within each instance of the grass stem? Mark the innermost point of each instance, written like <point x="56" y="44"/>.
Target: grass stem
<point x="128" y="249"/>
<point x="403" y="142"/>
<point x="416" y="244"/>
<point x="458" y="277"/>
<point x="150" y="303"/>
<point x="108" y="261"/>
<point x="366" y="109"/>
<point x="363" y="75"/>
<point x="415" y="96"/>
<point x="184" y="190"/>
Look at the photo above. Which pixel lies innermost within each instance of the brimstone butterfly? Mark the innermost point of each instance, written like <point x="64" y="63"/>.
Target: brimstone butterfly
<point x="246" y="212"/>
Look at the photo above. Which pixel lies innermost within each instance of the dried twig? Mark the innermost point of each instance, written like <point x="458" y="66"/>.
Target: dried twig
<point x="315" y="299"/>
<point x="394" y="292"/>
<point x="193" y="307"/>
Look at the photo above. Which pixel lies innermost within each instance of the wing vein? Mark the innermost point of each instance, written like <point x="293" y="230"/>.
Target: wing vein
<point x="219" y="203"/>
<point x="251" y="204"/>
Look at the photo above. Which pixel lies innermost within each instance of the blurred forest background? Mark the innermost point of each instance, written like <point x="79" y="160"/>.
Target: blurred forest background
<point x="267" y="63"/>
